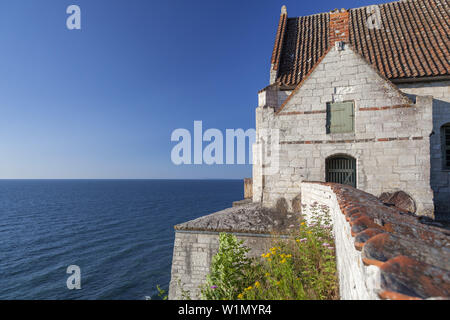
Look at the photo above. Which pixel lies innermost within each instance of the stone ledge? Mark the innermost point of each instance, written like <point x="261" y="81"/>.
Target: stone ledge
<point x="241" y="202"/>
<point x="245" y="218"/>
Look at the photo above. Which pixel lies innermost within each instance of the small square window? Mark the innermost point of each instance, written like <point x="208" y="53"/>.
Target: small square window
<point x="340" y="117"/>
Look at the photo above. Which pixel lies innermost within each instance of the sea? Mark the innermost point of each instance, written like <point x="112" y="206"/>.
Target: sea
<point x="118" y="233"/>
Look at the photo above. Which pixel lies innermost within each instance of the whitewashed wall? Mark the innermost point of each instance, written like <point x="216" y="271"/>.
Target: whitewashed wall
<point x="356" y="281"/>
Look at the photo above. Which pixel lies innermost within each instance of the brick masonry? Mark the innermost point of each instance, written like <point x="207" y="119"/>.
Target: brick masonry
<point x="390" y="141"/>
<point x="339" y="28"/>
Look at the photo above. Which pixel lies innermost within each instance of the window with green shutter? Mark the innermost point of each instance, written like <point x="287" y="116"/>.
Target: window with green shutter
<point x="340" y="117"/>
<point x="446" y="146"/>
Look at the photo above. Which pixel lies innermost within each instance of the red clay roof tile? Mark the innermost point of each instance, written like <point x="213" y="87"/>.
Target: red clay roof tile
<point x="413" y="41"/>
<point x="413" y="256"/>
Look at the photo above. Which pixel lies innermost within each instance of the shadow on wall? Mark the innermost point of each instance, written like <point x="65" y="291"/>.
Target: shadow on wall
<point x="282" y="205"/>
<point x="439" y="146"/>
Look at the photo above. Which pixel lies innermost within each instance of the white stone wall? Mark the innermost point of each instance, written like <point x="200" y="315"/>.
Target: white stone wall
<point x="192" y="255"/>
<point x="391" y="145"/>
<point x="356" y="281"/>
<point x="440" y="179"/>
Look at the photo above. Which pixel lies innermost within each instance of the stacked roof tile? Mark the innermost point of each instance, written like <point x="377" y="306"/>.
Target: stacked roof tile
<point x="413" y="41"/>
<point x="413" y="253"/>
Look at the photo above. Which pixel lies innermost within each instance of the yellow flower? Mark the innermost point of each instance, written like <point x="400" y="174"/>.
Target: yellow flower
<point x="274" y="250"/>
<point x="278" y="283"/>
<point x="283" y="261"/>
<point x="289" y="256"/>
<point x="249" y="288"/>
<point x="257" y="284"/>
<point x="269" y="259"/>
<point x="298" y="240"/>
<point x="309" y="232"/>
<point x="267" y="274"/>
<point x="240" y="296"/>
<point x="302" y="223"/>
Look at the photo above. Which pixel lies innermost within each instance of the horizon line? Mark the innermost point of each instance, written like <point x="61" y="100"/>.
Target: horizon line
<point x="121" y="179"/>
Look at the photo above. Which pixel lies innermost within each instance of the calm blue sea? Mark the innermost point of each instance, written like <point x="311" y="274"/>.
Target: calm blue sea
<point x="119" y="232"/>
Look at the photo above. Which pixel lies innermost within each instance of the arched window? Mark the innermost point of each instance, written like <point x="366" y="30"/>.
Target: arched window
<point x="445" y="136"/>
<point x="341" y="169"/>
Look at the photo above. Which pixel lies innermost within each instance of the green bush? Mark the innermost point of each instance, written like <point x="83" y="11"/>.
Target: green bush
<point x="299" y="269"/>
<point x="230" y="270"/>
<point x="304" y="269"/>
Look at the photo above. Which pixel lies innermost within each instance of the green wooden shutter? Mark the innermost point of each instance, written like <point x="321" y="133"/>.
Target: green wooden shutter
<point x="340" y="117"/>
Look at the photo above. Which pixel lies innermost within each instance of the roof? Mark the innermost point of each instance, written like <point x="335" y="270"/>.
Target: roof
<point x="412" y="43"/>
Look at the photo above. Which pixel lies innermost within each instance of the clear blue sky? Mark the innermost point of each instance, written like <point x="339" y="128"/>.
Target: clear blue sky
<point x="102" y="102"/>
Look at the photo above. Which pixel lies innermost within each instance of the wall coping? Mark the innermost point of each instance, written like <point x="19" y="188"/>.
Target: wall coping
<point x="237" y="234"/>
<point x="247" y="218"/>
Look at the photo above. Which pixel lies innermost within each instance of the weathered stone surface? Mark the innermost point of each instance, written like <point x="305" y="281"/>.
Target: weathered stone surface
<point x="410" y="277"/>
<point x="399" y="199"/>
<point x="248" y="218"/>
<point x="248" y="188"/>
<point x="365" y="235"/>
<point x="282" y="206"/>
<point x="242" y="202"/>
<point x="297" y="204"/>
<point x="386" y="246"/>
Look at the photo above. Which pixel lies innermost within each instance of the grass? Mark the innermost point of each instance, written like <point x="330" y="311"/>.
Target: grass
<point x="302" y="268"/>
